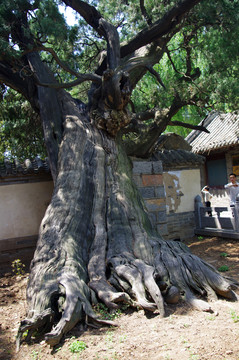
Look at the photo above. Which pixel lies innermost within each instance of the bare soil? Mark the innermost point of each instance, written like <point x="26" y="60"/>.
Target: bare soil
<point x="184" y="334"/>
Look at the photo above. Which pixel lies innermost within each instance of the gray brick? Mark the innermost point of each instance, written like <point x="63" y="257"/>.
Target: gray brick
<point x="153" y="218"/>
<point x="157" y="167"/>
<point x="142" y="167"/>
<point x="154" y="207"/>
<point x="147" y="167"/>
<point x="159" y="192"/>
<point x="147" y="192"/>
<point x="161" y="216"/>
<point x="162" y="229"/>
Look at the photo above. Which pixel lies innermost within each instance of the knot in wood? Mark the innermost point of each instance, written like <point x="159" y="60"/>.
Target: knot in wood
<point x="111" y="120"/>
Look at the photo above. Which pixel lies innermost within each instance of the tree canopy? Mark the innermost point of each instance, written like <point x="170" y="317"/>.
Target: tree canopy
<point x="197" y="68"/>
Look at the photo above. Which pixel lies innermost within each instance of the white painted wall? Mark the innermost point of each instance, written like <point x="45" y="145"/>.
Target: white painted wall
<point x="22" y="207"/>
<point x="181" y="187"/>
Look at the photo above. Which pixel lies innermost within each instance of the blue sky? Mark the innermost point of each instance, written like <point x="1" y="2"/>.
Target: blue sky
<point x="69" y="14"/>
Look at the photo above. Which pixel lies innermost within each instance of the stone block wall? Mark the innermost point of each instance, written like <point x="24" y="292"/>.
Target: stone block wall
<point x="181" y="225"/>
<point x="148" y="177"/>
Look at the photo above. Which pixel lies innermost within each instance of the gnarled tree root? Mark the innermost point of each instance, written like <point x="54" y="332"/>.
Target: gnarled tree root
<point x="175" y="273"/>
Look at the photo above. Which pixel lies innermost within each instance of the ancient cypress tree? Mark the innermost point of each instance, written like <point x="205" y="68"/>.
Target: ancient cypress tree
<point x="96" y="242"/>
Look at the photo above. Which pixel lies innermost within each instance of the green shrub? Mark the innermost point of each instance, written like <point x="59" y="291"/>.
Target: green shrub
<point x="18" y="267"/>
<point x="224" y="254"/>
<point x="223" y="268"/>
<point x="234" y="316"/>
<point x="105" y="313"/>
<point x="77" y="346"/>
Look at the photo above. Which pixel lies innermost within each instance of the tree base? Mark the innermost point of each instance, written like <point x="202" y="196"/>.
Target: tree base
<point x="140" y="285"/>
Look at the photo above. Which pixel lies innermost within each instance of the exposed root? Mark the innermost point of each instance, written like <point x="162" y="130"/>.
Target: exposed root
<point x="131" y="281"/>
<point x="153" y="289"/>
<point x="133" y="276"/>
<point x="76" y="307"/>
<point x="198" y="304"/>
<point x="188" y="272"/>
<point x="36" y="322"/>
<point x="108" y="295"/>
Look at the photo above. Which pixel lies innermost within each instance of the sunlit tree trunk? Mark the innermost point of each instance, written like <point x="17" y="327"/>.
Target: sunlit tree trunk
<point x="96" y="242"/>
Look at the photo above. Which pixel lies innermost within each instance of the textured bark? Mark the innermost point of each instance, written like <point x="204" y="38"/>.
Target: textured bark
<point x="97" y="243"/>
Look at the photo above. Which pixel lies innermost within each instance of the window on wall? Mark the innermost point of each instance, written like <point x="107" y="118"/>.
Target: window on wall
<point x="216" y="172"/>
<point x="235" y="164"/>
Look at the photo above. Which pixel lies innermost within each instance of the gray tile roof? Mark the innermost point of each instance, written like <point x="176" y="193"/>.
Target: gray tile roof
<point x="11" y="168"/>
<point x="179" y="158"/>
<point x="172" y="141"/>
<point x="175" y="152"/>
<point x="224" y="133"/>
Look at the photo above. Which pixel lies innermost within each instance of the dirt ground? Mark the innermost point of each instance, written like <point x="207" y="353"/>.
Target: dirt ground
<point x="184" y="334"/>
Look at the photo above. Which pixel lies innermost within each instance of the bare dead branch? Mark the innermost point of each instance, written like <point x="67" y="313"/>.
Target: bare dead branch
<point x="188" y="126"/>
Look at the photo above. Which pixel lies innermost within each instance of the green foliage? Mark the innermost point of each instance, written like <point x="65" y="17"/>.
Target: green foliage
<point x="223" y="268"/>
<point x="35" y="355"/>
<point x="205" y="41"/>
<point x="224" y="254"/>
<point x="18" y="267"/>
<point x="24" y="335"/>
<point x="77" y="346"/>
<point x="19" y="125"/>
<point x="105" y="313"/>
<point x="234" y="316"/>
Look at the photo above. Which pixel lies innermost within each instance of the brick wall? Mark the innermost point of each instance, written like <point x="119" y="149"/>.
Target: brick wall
<point x="181" y="225"/>
<point x="148" y="177"/>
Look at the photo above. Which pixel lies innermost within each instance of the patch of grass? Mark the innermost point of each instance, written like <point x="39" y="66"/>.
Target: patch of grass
<point x="77" y="346"/>
<point x="194" y="357"/>
<point x="223" y="268"/>
<point x="35" y="355"/>
<point x="122" y="338"/>
<point x="105" y="313"/>
<point x="18" y="267"/>
<point x="184" y="341"/>
<point x="24" y="335"/>
<point x="200" y="237"/>
<point x="224" y="254"/>
<point x="171" y="319"/>
<point x="234" y="316"/>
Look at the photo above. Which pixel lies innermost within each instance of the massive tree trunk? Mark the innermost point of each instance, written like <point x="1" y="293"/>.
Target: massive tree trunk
<point x="96" y="242"/>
